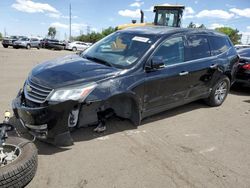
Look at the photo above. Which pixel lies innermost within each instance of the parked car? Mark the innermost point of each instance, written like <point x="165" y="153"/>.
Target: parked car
<point x="8" y="41"/>
<point x="240" y="46"/>
<point x="243" y="74"/>
<point x="27" y="43"/>
<point x="53" y="44"/>
<point x="141" y="72"/>
<point x="77" y="46"/>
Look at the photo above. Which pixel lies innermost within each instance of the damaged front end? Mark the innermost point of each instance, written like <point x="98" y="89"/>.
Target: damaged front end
<point x="50" y="114"/>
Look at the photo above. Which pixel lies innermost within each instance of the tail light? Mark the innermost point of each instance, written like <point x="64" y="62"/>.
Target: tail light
<point x="246" y="66"/>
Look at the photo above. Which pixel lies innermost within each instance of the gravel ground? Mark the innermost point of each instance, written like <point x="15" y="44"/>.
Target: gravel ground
<point x="190" y="146"/>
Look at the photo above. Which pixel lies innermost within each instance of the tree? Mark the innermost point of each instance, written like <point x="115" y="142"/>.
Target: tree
<point x="1" y="36"/>
<point x="191" y="25"/>
<point x="95" y="36"/>
<point x="108" y="31"/>
<point x="52" y="32"/>
<point x="202" y="26"/>
<point x="232" y="33"/>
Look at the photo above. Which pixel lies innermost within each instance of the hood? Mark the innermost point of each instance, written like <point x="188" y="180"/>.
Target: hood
<point x="68" y="70"/>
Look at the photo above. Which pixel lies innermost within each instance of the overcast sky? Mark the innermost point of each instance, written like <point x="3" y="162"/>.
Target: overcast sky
<point x="33" y="17"/>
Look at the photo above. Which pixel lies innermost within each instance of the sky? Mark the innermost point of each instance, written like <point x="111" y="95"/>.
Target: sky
<point x="34" y="17"/>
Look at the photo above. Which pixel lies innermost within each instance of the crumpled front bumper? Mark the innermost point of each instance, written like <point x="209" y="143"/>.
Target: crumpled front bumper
<point x="48" y="123"/>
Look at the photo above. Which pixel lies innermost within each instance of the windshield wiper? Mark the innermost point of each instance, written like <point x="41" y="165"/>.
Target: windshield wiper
<point x="97" y="60"/>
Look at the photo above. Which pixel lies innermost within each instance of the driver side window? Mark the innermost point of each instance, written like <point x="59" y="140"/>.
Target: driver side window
<point x="171" y="51"/>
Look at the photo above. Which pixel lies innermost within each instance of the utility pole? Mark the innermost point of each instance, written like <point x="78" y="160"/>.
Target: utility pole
<point x="5" y="33"/>
<point x="248" y="37"/>
<point x="70" y="22"/>
<point x="88" y="29"/>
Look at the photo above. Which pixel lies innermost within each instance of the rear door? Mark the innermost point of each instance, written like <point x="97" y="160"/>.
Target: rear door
<point x="201" y="66"/>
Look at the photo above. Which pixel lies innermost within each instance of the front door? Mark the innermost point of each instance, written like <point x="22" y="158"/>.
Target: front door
<point x="167" y="87"/>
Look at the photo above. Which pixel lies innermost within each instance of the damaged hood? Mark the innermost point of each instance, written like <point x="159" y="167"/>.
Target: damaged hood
<point x="68" y="70"/>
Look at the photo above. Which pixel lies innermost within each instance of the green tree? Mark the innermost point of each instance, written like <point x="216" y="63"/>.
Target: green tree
<point x="1" y="36"/>
<point x="232" y="33"/>
<point x="108" y="31"/>
<point x="52" y="32"/>
<point x="95" y="36"/>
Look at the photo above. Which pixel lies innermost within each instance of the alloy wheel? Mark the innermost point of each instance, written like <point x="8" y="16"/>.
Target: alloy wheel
<point x="221" y="92"/>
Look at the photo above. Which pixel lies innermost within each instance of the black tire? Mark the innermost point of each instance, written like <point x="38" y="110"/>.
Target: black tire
<point x="28" y="46"/>
<point x="38" y="47"/>
<point x="5" y="46"/>
<point x="22" y="170"/>
<point x="213" y="99"/>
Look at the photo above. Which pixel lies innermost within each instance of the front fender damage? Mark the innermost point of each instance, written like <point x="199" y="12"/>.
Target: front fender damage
<point x="54" y="116"/>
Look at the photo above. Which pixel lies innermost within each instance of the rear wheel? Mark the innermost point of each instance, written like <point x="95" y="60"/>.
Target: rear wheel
<point x="219" y="92"/>
<point x="21" y="165"/>
<point x="5" y="46"/>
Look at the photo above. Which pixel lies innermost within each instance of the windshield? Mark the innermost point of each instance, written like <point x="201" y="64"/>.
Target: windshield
<point x="168" y="18"/>
<point x="121" y="50"/>
<point x="24" y="39"/>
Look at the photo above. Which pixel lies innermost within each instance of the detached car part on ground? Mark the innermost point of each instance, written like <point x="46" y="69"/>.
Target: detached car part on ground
<point x="18" y="158"/>
<point x="243" y="74"/>
<point x="133" y="73"/>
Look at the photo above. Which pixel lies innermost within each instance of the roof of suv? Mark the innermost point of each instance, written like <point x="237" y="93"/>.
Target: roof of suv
<point x="163" y="30"/>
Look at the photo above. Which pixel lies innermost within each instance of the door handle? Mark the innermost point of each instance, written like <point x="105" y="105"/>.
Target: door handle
<point x="213" y="66"/>
<point x="183" y="73"/>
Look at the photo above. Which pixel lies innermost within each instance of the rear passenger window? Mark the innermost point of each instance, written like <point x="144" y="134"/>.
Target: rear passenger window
<point x="197" y="48"/>
<point x="171" y="51"/>
<point x="218" y="44"/>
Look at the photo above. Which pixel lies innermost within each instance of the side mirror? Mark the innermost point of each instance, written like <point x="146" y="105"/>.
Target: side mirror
<point x="156" y="63"/>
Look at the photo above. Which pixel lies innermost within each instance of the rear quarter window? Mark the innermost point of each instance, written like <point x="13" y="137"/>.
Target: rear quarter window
<point x="197" y="47"/>
<point x="218" y="44"/>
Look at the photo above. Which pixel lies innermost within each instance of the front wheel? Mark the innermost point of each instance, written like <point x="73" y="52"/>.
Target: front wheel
<point x="5" y="46"/>
<point x="28" y="46"/>
<point x="20" y="165"/>
<point x="74" y="49"/>
<point x="219" y="92"/>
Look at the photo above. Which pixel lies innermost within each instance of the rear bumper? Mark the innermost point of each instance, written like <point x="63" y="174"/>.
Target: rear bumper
<point x="247" y="82"/>
<point x="243" y="77"/>
<point x="49" y="123"/>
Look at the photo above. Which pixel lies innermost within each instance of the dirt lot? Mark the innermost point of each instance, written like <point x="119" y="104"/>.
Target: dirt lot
<point x="190" y="146"/>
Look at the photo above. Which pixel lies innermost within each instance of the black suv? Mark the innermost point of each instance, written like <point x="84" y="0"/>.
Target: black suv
<point x="133" y="73"/>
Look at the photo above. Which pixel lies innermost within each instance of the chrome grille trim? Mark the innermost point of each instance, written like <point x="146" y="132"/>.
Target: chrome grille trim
<point x="36" y="92"/>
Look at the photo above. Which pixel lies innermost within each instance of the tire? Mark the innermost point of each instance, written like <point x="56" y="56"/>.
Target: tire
<point x="74" y="49"/>
<point x="219" y="92"/>
<point x="22" y="170"/>
<point x="28" y="46"/>
<point x="5" y="46"/>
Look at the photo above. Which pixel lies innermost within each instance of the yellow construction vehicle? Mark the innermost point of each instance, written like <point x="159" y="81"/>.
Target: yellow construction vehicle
<point x="165" y="15"/>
